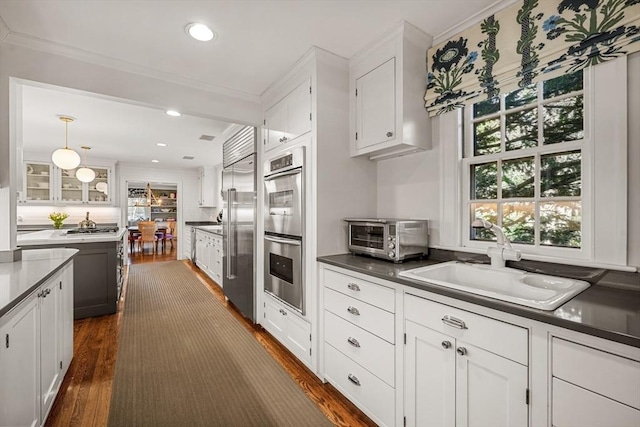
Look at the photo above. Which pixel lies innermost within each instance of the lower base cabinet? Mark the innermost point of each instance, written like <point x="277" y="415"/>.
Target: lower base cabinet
<point x="37" y="349"/>
<point x="288" y="328"/>
<point x="209" y="254"/>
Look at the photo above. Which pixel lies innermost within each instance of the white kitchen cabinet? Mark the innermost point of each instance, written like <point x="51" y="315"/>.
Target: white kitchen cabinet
<point x="359" y="338"/>
<point x="202" y="250"/>
<point x="208" y="185"/>
<point x="186" y="243"/>
<point x="287" y="327"/>
<point x="591" y="387"/>
<point x="288" y="118"/>
<point x="215" y="257"/>
<point x="387" y="84"/>
<point x="36" y="352"/>
<point x="20" y="365"/>
<point x="45" y="183"/>
<point x="454" y="371"/>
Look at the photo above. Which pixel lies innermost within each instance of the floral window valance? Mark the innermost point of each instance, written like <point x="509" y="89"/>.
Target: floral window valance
<point x="527" y="42"/>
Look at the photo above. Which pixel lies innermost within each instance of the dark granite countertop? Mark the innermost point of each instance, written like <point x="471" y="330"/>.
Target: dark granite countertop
<point x="195" y="223"/>
<point x="603" y="311"/>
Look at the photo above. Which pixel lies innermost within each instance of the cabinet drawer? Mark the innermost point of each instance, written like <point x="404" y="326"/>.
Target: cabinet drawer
<point x="368" y="392"/>
<point x="366" y="316"/>
<point x="366" y="349"/>
<point x="496" y="336"/>
<point x="369" y="292"/>
<point x="573" y="406"/>
<point x="604" y="373"/>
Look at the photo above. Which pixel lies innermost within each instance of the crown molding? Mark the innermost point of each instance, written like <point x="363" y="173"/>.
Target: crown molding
<point x="472" y="20"/>
<point x="29" y="42"/>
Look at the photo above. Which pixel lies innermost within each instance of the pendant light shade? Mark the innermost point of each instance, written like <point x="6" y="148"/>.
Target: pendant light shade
<point x="84" y="174"/>
<point x="65" y="158"/>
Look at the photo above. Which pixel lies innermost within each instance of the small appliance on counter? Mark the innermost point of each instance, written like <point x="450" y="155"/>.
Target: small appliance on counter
<point x="388" y="238"/>
<point x="87" y="223"/>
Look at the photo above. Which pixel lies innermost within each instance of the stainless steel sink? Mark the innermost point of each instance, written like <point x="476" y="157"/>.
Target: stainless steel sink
<point x="506" y="284"/>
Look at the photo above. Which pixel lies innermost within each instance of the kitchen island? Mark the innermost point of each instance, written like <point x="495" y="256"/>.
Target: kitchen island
<point x="97" y="269"/>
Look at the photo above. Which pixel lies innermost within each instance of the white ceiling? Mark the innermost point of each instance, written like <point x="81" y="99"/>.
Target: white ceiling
<point x="258" y="41"/>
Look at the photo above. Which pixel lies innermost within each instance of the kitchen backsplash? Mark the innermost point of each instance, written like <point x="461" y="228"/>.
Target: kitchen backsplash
<point x="39" y="215"/>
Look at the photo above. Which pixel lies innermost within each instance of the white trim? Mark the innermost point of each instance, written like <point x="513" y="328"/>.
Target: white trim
<point x="473" y="20"/>
<point x="25" y="41"/>
<point x="542" y="258"/>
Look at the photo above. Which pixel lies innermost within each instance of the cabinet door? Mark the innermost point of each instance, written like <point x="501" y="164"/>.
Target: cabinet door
<point x="376" y="106"/>
<point x="49" y="344"/>
<point x="298" y="337"/>
<point x="98" y="190"/>
<point x="490" y="390"/>
<point x="38" y="183"/>
<point x="274" y="319"/>
<point x="202" y="253"/>
<point x="298" y="112"/>
<point x="275" y="121"/>
<point x="430" y="377"/>
<point x="19" y="360"/>
<point x="66" y="316"/>
<point x="69" y="189"/>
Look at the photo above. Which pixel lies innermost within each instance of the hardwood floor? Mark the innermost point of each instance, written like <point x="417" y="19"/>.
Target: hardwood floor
<point x="85" y="393"/>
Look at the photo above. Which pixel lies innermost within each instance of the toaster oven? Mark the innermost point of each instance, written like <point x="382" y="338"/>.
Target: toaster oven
<point x="391" y="239"/>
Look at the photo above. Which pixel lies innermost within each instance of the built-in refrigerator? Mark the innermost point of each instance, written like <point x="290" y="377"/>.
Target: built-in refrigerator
<point x="239" y="220"/>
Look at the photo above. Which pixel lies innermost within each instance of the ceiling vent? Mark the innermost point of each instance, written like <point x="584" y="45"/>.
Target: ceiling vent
<point x="206" y="137"/>
<point x="188" y="158"/>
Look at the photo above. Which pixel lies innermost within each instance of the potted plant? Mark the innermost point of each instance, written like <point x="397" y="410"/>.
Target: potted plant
<point x="58" y="218"/>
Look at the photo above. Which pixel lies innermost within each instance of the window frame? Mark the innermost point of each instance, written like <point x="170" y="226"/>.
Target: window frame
<point x="585" y="145"/>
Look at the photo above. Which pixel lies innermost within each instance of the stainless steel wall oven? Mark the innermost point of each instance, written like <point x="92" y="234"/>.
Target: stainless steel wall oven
<point x="283" y="227"/>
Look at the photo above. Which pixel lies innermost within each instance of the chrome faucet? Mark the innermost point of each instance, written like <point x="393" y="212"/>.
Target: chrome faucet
<point x="503" y="251"/>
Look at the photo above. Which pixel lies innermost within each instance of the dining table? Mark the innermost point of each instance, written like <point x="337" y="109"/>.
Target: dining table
<point x="134" y="233"/>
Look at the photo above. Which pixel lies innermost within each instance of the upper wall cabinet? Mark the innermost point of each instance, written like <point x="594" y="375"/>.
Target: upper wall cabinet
<point x="208" y="187"/>
<point x="288" y="118"/>
<point x="387" y="84"/>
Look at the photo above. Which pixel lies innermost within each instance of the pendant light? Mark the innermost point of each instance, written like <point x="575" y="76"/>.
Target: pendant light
<point x="85" y="174"/>
<point x="65" y="158"/>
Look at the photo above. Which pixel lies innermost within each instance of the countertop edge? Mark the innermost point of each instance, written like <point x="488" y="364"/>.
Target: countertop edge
<point x="76" y="239"/>
<point x="17" y="300"/>
<point x="528" y="313"/>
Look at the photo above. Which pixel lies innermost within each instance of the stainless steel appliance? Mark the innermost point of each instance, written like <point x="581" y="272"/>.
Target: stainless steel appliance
<point x="387" y="238"/>
<point x="284" y="225"/>
<point x="192" y="231"/>
<point x="93" y="230"/>
<point x="239" y="220"/>
<point x="283" y="182"/>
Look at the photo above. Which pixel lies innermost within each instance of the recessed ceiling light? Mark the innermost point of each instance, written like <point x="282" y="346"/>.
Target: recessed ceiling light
<point x="155" y="161"/>
<point x="161" y="144"/>
<point x="173" y="113"/>
<point x="200" y="32"/>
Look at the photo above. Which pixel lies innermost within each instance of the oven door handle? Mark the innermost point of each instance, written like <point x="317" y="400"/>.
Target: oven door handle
<point x="281" y="174"/>
<point x="283" y="241"/>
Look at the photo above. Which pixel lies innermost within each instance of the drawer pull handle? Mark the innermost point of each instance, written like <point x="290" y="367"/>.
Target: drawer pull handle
<point x="353" y="287"/>
<point x="454" y="322"/>
<point x="461" y="351"/>
<point x="353" y="311"/>
<point x="446" y="344"/>
<point x="354" y="342"/>
<point x="354" y="379"/>
<point x="284" y="313"/>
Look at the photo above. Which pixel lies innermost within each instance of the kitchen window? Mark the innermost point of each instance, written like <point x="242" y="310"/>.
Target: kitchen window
<point x="527" y="168"/>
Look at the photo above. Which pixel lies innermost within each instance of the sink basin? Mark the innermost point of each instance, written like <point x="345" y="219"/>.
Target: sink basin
<point x="506" y="284"/>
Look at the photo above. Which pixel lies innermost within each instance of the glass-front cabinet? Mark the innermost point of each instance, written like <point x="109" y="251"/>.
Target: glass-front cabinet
<point x="45" y="183"/>
<point x="38" y="183"/>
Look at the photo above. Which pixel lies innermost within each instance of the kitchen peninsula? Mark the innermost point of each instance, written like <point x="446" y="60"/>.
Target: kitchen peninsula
<point x="98" y="267"/>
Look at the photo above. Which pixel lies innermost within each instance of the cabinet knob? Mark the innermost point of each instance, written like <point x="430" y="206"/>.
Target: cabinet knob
<point x="353" y="311"/>
<point x="284" y="313"/>
<point x="354" y="342"/>
<point x="461" y="351"/>
<point x="446" y="344"/>
<point x="353" y="287"/>
<point x="353" y="379"/>
<point x="389" y="134"/>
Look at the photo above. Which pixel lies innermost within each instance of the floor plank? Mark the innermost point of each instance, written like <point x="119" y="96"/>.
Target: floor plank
<point x="85" y="393"/>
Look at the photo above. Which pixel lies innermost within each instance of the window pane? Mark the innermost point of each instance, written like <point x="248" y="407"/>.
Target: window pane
<point x="518" y="178"/>
<point x="520" y="97"/>
<point x="563" y="120"/>
<point x="485" y="181"/>
<point x="488" y="212"/>
<point x="486" y="137"/>
<point x="560" y="174"/>
<point x="489" y="106"/>
<point x="521" y="129"/>
<point x="563" y="84"/>
<point x="518" y="222"/>
<point x="560" y="224"/>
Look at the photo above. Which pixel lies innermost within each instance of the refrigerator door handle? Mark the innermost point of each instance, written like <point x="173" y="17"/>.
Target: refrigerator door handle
<point x="231" y="244"/>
